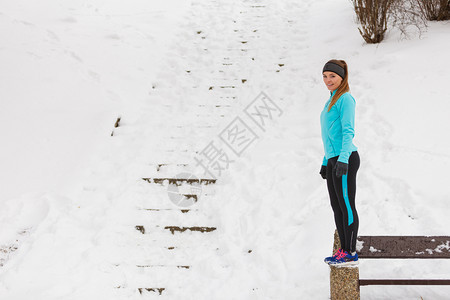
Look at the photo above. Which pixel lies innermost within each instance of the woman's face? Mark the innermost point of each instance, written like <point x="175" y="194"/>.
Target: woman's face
<point x="332" y="80"/>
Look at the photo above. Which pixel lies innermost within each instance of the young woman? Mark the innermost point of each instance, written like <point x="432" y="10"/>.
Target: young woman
<point x="341" y="160"/>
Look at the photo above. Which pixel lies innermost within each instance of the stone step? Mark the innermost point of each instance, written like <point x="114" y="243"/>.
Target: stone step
<point x="215" y="105"/>
<point x="179" y="212"/>
<point x="219" y="82"/>
<point x="182" y="229"/>
<point x="179" y="181"/>
<point x="228" y="97"/>
<point x="170" y="276"/>
<point x="148" y="290"/>
<point x="175" y="210"/>
<point x="178" y="150"/>
<point x="173" y="250"/>
<point x="175" y="229"/>
<point x="169" y="166"/>
<point x="198" y="187"/>
<point x="181" y="217"/>
<point x="218" y="116"/>
<point x="147" y="235"/>
<point x="222" y="87"/>
<point x="181" y="194"/>
<point x="179" y="249"/>
<point x="237" y="49"/>
<point x="151" y="290"/>
<point x="163" y="266"/>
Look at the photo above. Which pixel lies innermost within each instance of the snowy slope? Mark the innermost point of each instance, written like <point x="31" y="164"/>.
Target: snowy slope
<point x="68" y="69"/>
<point x="178" y="73"/>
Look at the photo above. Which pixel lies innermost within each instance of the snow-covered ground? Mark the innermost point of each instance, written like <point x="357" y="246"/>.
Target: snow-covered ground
<point x="178" y="73"/>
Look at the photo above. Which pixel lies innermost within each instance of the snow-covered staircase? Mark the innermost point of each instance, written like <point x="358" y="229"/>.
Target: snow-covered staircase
<point x="206" y="82"/>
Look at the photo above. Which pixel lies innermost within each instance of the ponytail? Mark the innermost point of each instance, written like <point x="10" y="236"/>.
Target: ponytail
<point x="343" y="87"/>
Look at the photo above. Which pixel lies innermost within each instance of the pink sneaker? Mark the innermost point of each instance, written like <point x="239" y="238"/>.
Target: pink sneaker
<point x="330" y="258"/>
<point x="344" y="259"/>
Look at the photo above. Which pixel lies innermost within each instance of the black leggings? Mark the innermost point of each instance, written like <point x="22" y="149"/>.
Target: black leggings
<point x="342" y="192"/>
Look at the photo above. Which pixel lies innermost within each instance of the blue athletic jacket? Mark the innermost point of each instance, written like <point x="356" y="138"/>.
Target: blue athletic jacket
<point x="338" y="128"/>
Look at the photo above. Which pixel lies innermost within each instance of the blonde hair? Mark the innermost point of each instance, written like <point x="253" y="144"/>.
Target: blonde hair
<point x="343" y="87"/>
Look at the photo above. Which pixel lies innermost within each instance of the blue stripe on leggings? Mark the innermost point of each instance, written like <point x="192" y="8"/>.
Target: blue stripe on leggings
<point x="347" y="202"/>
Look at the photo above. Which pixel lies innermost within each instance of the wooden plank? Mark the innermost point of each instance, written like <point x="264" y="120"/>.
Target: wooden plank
<point x="404" y="282"/>
<point x="404" y="247"/>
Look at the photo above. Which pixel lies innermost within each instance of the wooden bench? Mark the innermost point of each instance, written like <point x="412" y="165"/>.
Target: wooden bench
<point x="345" y="281"/>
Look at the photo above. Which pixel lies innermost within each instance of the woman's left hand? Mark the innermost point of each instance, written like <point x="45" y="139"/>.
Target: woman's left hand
<point x="341" y="169"/>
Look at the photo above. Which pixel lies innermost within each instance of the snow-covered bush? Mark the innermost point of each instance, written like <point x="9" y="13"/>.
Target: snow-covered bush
<point x="372" y="15"/>
<point x="435" y="10"/>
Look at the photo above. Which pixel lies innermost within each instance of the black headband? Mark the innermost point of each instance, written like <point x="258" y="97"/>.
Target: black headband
<point x="333" y="67"/>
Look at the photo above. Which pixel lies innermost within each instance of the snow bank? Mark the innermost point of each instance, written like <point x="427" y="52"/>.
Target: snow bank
<point x="72" y="194"/>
